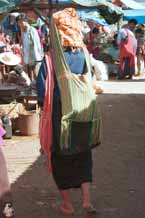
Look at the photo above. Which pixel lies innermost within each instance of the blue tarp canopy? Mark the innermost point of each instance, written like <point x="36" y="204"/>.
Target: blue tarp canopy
<point x="139" y="15"/>
<point x="91" y="15"/>
<point x="86" y="14"/>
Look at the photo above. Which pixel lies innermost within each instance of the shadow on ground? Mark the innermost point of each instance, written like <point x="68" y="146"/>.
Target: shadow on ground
<point x="118" y="189"/>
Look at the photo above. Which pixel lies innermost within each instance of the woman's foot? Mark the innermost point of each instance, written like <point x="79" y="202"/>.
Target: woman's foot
<point x="137" y="74"/>
<point x="89" y="209"/>
<point x="64" y="208"/>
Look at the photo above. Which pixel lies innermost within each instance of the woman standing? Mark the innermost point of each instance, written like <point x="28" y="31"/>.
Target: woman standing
<point x="75" y="130"/>
<point x="127" y="45"/>
<point x="140" y="50"/>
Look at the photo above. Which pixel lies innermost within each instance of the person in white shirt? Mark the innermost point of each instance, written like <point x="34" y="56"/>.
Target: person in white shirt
<point x="31" y="45"/>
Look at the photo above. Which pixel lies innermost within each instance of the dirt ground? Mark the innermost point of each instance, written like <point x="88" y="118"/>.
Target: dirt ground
<point x="118" y="188"/>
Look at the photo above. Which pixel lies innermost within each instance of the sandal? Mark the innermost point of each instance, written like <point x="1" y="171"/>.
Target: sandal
<point x="91" y="210"/>
<point x="59" y="207"/>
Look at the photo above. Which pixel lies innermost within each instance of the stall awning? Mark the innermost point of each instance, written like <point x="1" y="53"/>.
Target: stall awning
<point x="134" y="4"/>
<point x="92" y="16"/>
<point x="139" y="15"/>
<point x="6" y="5"/>
<point x="107" y="10"/>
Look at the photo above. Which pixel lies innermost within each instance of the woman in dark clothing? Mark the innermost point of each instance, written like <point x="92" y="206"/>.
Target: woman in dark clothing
<point x="74" y="170"/>
<point x="76" y="129"/>
<point x="70" y="171"/>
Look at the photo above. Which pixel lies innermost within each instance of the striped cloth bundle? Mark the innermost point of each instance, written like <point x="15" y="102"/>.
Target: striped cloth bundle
<point x="78" y="99"/>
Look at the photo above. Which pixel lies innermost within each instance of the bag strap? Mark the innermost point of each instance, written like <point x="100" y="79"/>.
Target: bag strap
<point x="49" y="84"/>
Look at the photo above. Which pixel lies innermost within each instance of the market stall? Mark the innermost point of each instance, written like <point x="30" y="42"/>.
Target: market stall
<point x="100" y="12"/>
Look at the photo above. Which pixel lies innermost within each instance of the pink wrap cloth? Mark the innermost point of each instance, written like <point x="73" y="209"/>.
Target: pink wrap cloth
<point x="45" y="127"/>
<point x="126" y="50"/>
<point x="2" y="133"/>
<point x="4" y="180"/>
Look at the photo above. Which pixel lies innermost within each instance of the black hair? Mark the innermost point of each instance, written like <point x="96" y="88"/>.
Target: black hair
<point x="133" y="21"/>
<point x="22" y="17"/>
<point x="139" y="30"/>
<point x="115" y="35"/>
<point x="95" y="30"/>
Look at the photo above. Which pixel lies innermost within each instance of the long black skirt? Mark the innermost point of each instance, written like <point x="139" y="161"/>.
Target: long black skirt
<point x="72" y="170"/>
<point x="69" y="171"/>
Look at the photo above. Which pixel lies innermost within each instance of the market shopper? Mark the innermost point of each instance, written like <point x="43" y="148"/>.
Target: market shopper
<point x="6" y="206"/>
<point x="127" y="45"/>
<point x="140" y="50"/>
<point x="91" y="40"/>
<point x="71" y="159"/>
<point x="32" y="49"/>
<point x="7" y="60"/>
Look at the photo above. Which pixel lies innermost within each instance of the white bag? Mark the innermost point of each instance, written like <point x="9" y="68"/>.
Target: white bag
<point x="100" y="69"/>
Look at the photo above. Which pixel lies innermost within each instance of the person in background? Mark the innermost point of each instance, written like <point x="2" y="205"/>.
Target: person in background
<point x="113" y="50"/>
<point x="92" y="43"/>
<point x="8" y="42"/>
<point x="10" y="27"/>
<point x="127" y="46"/>
<point x="6" y="206"/>
<point x="2" y="35"/>
<point x="117" y="2"/>
<point x="32" y="49"/>
<point x="131" y="25"/>
<point x="5" y="40"/>
<point x="45" y="38"/>
<point x="142" y="26"/>
<point x="2" y="47"/>
<point x="7" y="59"/>
<point x="16" y="49"/>
<point x="18" y="76"/>
<point x="140" y="51"/>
